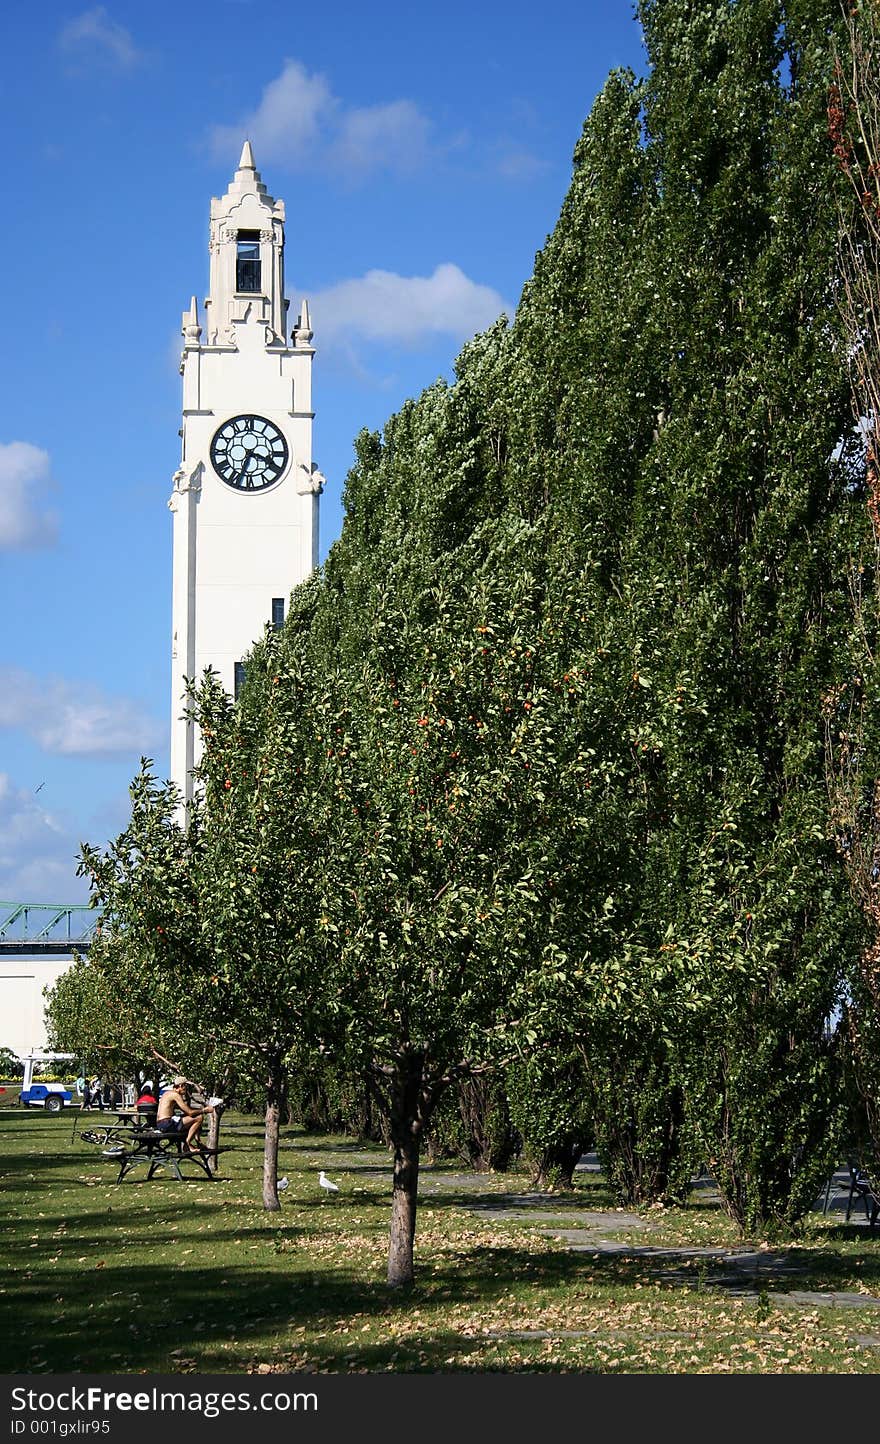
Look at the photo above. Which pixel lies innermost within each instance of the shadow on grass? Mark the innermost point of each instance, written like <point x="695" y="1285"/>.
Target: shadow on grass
<point x="122" y="1318"/>
<point x="85" y="1233"/>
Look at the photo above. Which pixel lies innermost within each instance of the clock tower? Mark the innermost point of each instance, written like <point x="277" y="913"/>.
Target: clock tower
<point x="245" y="498"/>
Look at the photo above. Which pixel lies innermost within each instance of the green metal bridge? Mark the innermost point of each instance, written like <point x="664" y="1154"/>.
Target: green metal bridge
<point x="45" y="928"/>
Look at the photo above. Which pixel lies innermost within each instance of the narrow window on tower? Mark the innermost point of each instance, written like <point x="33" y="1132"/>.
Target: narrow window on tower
<point x="239" y="678"/>
<point x="247" y="261"/>
<point x="277" y="613"/>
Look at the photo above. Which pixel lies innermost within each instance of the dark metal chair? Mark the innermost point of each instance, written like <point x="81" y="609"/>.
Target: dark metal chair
<point x="860" y="1189"/>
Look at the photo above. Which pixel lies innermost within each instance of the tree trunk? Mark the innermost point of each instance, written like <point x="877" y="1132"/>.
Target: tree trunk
<point x="275" y="1101"/>
<point x="407" y="1128"/>
<point x="404" y="1199"/>
<point x="557" y="1164"/>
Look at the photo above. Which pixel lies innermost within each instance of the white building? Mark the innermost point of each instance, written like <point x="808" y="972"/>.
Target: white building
<point x="23" y="976"/>
<point x="245" y="499"/>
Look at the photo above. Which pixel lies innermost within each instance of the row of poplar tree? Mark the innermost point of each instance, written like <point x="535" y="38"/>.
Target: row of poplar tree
<point x="525" y="811"/>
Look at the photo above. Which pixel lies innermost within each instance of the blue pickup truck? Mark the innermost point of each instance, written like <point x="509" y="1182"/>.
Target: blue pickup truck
<point x="51" y="1096"/>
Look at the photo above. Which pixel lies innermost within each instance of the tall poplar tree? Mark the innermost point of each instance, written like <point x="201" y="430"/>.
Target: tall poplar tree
<point x="687" y="386"/>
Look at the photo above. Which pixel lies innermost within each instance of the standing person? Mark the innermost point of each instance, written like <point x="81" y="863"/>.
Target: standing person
<point x="178" y="1097"/>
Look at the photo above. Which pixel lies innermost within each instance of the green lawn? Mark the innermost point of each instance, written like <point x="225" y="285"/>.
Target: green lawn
<point x="166" y="1276"/>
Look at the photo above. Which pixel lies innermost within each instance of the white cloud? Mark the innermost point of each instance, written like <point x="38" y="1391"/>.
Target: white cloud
<point x="73" y="719"/>
<point x="97" y="34"/>
<point x="383" y="306"/>
<point x="25" y="519"/>
<point x="517" y="163"/>
<point x="300" y="124"/>
<point x="286" y="122"/>
<point x="393" y="137"/>
<point x="38" y="850"/>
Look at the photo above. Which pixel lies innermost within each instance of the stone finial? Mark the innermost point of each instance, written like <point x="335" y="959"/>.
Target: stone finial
<point x="192" y="331"/>
<point x="302" y="333"/>
<point x="247" y="157"/>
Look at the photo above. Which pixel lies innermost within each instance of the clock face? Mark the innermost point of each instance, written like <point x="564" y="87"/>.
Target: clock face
<point x="249" y="453"/>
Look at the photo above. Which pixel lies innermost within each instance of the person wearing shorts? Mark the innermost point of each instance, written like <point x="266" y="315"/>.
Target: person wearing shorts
<point x="177" y="1098"/>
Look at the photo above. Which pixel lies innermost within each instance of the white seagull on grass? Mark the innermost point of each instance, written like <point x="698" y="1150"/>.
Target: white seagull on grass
<point x="325" y="1183"/>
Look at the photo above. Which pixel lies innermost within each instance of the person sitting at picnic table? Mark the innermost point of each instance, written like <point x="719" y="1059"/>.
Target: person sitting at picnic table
<point x="146" y="1101"/>
<point x="177" y="1097"/>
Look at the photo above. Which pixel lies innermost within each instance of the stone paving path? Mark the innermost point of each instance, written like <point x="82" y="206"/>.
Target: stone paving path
<point x="738" y="1272"/>
<point x="742" y="1273"/>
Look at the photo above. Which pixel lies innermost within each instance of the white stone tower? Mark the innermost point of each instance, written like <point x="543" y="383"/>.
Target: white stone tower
<point x="245" y="499"/>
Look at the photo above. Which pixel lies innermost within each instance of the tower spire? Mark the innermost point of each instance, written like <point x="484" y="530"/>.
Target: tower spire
<point x="247" y="178"/>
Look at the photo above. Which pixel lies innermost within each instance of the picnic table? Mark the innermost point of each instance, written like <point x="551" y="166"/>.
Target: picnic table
<point x="134" y="1139"/>
<point x="159" y="1150"/>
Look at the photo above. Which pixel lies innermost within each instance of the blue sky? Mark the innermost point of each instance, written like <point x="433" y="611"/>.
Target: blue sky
<point x="423" y="154"/>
